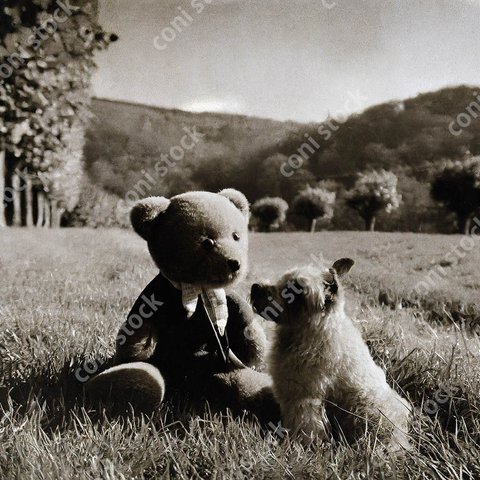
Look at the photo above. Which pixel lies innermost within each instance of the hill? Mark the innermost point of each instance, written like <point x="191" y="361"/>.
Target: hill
<point x="126" y="138"/>
<point x="125" y="144"/>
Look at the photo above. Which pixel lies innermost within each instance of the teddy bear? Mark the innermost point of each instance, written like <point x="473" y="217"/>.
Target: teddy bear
<point x="185" y="333"/>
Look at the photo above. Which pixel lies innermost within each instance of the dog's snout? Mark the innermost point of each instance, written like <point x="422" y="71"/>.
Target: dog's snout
<point x="233" y="265"/>
<point x="256" y="290"/>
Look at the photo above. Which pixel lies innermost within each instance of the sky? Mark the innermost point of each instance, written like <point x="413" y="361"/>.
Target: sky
<point x="285" y="59"/>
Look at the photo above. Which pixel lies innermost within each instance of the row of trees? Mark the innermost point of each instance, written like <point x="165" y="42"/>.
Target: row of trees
<point x="372" y="193"/>
<point x="456" y="185"/>
<point x="46" y="62"/>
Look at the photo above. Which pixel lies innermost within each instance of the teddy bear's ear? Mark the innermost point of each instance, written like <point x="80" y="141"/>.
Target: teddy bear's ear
<point x="237" y="198"/>
<point x="145" y="212"/>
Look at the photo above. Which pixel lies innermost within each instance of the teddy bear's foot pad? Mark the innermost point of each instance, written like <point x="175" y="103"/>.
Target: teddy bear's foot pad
<point x="138" y="385"/>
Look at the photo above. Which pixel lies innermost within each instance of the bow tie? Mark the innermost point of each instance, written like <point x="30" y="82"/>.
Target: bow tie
<point x="214" y="300"/>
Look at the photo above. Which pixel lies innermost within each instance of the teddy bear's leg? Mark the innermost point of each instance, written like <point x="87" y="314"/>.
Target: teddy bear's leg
<point x="138" y="384"/>
<point x="245" y="334"/>
<point x="240" y="390"/>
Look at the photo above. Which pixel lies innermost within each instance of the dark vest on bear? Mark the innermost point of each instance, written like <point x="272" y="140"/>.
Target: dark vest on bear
<point x="185" y="346"/>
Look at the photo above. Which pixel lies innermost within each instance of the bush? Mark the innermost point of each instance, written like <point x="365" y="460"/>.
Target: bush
<point x="98" y="208"/>
<point x="457" y="186"/>
<point x="372" y="193"/>
<point x="269" y="213"/>
<point x="314" y="204"/>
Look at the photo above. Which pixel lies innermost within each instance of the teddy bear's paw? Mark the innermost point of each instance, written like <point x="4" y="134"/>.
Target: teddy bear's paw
<point x="137" y="385"/>
<point x="241" y="391"/>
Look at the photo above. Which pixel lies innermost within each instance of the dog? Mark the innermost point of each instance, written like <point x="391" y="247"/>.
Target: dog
<point x="324" y="378"/>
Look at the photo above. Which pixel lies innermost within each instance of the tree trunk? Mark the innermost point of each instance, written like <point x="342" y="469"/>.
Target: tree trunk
<point x="56" y="214"/>
<point x="3" y="222"/>
<point x="40" y="208"/>
<point x="370" y="223"/>
<point x="17" y="204"/>
<point x="464" y="224"/>
<point x="313" y="225"/>
<point x="47" y="212"/>
<point x="28" y="201"/>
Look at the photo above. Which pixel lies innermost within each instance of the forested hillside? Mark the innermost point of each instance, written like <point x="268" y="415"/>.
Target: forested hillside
<point x="126" y="139"/>
<point x="125" y="143"/>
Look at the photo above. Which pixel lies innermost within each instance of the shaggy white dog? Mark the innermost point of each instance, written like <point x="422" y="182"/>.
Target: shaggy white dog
<point x="324" y="377"/>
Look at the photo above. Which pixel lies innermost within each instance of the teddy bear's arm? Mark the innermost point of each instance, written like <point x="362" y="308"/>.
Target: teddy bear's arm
<point x="137" y="337"/>
<point x="134" y="345"/>
<point x="245" y="334"/>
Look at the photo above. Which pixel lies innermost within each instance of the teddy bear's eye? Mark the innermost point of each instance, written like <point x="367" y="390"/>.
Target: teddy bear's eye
<point x="236" y="236"/>
<point x="208" y="244"/>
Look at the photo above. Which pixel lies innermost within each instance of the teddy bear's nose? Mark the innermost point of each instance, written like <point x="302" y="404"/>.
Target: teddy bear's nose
<point x="234" y="265"/>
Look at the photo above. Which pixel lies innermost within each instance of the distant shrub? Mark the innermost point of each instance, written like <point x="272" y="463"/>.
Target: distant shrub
<point x="269" y="213"/>
<point x="457" y="186"/>
<point x="314" y="204"/>
<point x="372" y="193"/>
<point x="98" y="208"/>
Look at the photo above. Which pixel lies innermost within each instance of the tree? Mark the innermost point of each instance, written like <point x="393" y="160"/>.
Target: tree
<point x="64" y="182"/>
<point x="457" y="186"/>
<point x="270" y="212"/>
<point x="314" y="204"/>
<point x="98" y="208"/>
<point x="266" y="178"/>
<point x="46" y="52"/>
<point x="3" y="222"/>
<point x="373" y="192"/>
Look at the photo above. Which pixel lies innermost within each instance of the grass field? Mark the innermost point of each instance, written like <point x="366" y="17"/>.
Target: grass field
<point x="64" y="293"/>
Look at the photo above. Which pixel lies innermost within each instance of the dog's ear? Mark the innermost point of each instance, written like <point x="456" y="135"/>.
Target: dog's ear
<point x="145" y="212"/>
<point x="343" y="266"/>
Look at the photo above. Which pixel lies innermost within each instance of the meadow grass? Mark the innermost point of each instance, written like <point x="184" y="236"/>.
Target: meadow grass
<point x="64" y="294"/>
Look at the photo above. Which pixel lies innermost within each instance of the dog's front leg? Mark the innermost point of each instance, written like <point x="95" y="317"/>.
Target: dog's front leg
<point x="307" y="421"/>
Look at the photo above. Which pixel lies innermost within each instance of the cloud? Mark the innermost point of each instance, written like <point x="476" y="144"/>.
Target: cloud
<point x="214" y="105"/>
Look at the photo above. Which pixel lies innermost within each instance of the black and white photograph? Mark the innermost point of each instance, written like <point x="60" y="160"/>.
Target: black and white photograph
<point x="239" y="239"/>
